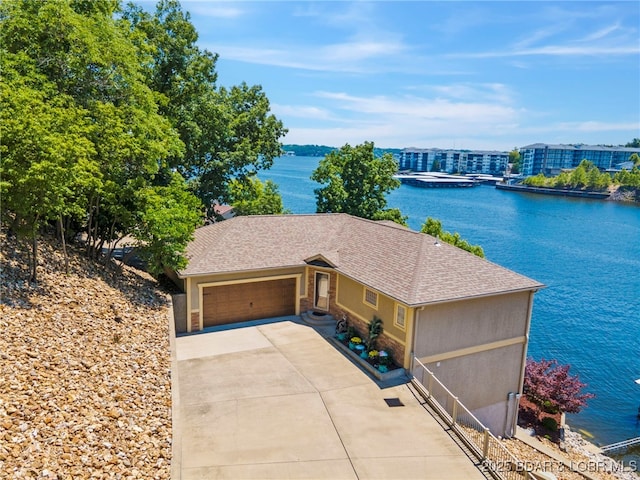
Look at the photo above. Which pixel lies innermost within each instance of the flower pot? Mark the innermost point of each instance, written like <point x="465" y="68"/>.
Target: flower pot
<point x="341" y="336"/>
<point x="383" y="369"/>
<point x="364" y="355"/>
<point x="352" y="345"/>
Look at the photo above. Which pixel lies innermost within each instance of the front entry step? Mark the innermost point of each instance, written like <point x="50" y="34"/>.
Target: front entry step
<point x="318" y="319"/>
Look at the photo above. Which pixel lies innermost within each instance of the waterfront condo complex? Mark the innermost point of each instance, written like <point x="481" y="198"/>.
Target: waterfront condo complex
<point x="453" y="161"/>
<point x="535" y="158"/>
<point x="551" y="159"/>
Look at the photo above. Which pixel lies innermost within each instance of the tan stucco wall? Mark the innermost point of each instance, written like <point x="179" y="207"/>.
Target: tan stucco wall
<point x="483" y="378"/>
<point x="451" y="326"/>
<point x="477" y="349"/>
<point x="351" y="299"/>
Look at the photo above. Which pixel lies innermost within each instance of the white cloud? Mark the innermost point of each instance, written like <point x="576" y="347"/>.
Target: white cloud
<point x="556" y="50"/>
<point x="347" y="57"/>
<point x="301" y="111"/>
<point x="602" y="33"/>
<point x="401" y="121"/>
<point x="454" y="122"/>
<point x="214" y="10"/>
<point x="595" y="126"/>
<point x="420" y="108"/>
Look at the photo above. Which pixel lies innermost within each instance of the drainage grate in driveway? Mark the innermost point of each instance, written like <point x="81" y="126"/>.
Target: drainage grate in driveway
<point x="394" y="402"/>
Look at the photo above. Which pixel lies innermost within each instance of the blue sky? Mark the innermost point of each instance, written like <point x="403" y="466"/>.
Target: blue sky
<point x="456" y="74"/>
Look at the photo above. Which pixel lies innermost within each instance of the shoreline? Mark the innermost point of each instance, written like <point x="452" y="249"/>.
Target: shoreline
<point x="616" y="195"/>
<point x="573" y="459"/>
<point x="561" y="192"/>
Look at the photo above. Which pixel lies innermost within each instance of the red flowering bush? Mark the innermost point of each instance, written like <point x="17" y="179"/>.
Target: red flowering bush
<point x="549" y="386"/>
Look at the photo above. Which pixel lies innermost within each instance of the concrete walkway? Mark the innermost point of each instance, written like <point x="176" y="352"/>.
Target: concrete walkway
<point x="278" y="401"/>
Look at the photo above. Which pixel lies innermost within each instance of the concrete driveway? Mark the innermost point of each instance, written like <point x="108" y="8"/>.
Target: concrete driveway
<point x="278" y="401"/>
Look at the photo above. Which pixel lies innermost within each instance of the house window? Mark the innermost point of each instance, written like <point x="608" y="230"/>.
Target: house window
<point x="401" y="314"/>
<point x="321" y="299"/>
<point x="370" y="297"/>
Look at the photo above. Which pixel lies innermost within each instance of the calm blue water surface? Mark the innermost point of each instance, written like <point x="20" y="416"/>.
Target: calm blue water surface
<point x="586" y="252"/>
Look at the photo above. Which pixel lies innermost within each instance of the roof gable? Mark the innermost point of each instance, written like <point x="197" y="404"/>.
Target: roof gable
<point x="322" y="260"/>
<point x="398" y="262"/>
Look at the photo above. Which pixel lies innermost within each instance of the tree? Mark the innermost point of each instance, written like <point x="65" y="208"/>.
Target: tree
<point x="433" y="227"/>
<point x="228" y="132"/>
<point x="252" y="197"/>
<point x="549" y="386"/>
<point x="167" y="217"/>
<point x="562" y="181"/>
<point x="435" y="166"/>
<point x="45" y="155"/>
<point x="356" y="182"/>
<point x="538" y="180"/>
<point x="635" y="143"/>
<point x="86" y="134"/>
<point x="628" y="178"/>
<point x="578" y="177"/>
<point x="514" y="160"/>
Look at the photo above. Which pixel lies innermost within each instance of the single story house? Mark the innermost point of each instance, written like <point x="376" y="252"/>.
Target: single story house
<point x="465" y="318"/>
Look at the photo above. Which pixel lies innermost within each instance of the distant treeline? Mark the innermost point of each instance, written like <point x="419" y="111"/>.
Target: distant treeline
<point x="322" y="150"/>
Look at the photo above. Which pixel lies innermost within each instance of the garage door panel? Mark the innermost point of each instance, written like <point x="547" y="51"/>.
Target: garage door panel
<point x="248" y="301"/>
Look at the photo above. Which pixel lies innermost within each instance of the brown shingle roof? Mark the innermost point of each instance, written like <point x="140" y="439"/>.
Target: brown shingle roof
<point x="398" y="262"/>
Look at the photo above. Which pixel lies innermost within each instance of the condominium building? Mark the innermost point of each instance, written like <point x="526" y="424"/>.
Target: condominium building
<point x="454" y="161"/>
<point x="551" y="159"/>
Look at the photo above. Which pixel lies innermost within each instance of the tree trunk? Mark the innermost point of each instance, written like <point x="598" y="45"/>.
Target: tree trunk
<point x="34" y="252"/>
<point x="89" y="227"/>
<point x="95" y="234"/>
<point x="64" y="245"/>
<point x="112" y="246"/>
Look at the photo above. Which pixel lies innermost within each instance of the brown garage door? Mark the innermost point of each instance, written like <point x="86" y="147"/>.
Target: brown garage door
<point x="248" y="301"/>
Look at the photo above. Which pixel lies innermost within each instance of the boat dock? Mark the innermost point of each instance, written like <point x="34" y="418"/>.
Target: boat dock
<point x="437" y="180"/>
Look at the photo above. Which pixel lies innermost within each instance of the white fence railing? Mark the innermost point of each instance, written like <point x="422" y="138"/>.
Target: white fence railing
<point x="500" y="463"/>
<point x="619" y="446"/>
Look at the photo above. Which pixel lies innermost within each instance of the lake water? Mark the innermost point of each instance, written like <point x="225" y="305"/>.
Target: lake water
<point x="587" y="253"/>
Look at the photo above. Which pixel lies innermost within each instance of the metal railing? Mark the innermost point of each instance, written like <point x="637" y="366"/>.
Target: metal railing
<point x="620" y="446"/>
<point x="499" y="461"/>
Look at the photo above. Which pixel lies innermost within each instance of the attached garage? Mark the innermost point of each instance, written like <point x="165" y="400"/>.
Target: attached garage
<point x="241" y="302"/>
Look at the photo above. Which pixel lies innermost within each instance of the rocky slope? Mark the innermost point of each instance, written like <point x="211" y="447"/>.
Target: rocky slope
<point x="85" y="386"/>
<point x="582" y="462"/>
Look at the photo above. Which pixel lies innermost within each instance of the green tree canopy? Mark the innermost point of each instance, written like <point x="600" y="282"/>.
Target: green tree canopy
<point x="354" y="181"/>
<point x="166" y="219"/>
<point x="84" y="134"/>
<point x="433" y="227"/>
<point x="585" y="175"/>
<point x="253" y="197"/>
<point x="111" y="122"/>
<point x="228" y="132"/>
<point x="514" y="160"/>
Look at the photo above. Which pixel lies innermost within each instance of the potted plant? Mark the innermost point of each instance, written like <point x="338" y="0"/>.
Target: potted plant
<point x="375" y="329"/>
<point x="355" y="341"/>
<point x="384" y="360"/>
<point x="373" y="356"/>
<point x="342" y="329"/>
<point x="351" y="332"/>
